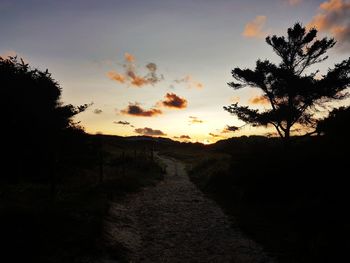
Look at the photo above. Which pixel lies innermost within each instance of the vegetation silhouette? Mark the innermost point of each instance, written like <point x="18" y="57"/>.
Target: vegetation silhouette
<point x="32" y="106"/>
<point x="293" y="93"/>
<point x="59" y="181"/>
<point x="336" y="125"/>
<point x="294" y="203"/>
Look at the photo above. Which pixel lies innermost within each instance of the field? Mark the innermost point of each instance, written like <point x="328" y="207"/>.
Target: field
<point x="292" y="202"/>
<point x="67" y="227"/>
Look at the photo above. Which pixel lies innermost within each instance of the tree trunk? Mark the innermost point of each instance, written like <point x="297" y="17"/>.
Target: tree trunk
<point x="286" y="139"/>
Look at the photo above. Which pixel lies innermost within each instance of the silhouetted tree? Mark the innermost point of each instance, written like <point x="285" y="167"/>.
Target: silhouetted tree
<point x="36" y="121"/>
<point x="292" y="92"/>
<point x="337" y="124"/>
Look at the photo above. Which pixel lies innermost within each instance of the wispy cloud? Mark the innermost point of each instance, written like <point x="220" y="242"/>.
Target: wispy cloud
<point x="113" y="75"/>
<point x="128" y="57"/>
<point x="149" y="132"/>
<point x="229" y="129"/>
<point x="135" y="109"/>
<point x="259" y="100"/>
<point x="195" y="120"/>
<point x="255" y="28"/>
<point x="125" y="123"/>
<point x="235" y="99"/>
<point x="122" y="122"/>
<point x="98" y="111"/>
<point x="130" y="75"/>
<point x="334" y="17"/>
<point x="173" y="101"/>
<point x="294" y="2"/>
<point x="191" y="83"/>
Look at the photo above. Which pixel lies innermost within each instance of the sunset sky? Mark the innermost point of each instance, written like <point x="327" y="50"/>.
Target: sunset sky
<point x="159" y="67"/>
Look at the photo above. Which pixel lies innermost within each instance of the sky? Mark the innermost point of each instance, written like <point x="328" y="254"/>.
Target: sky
<point x="159" y="67"/>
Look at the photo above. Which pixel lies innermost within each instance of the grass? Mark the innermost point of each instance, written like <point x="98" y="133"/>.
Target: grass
<point x="291" y="203"/>
<point x="69" y="229"/>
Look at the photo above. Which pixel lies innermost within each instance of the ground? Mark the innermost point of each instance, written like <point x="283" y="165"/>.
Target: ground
<point x="174" y="222"/>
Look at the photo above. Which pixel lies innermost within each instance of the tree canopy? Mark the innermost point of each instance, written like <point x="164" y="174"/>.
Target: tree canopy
<point x="37" y="125"/>
<point x="293" y="92"/>
<point x="31" y="100"/>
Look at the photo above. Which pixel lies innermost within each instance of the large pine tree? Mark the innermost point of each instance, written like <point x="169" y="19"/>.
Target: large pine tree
<point x="292" y="91"/>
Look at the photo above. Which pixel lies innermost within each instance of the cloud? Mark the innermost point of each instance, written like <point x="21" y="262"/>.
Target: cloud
<point x="184" y="137"/>
<point x="131" y="77"/>
<point x="135" y="109"/>
<point x="122" y="122"/>
<point x="152" y="76"/>
<point x="334" y="17"/>
<point x="255" y="28"/>
<point x="98" y="111"/>
<point x="235" y="99"/>
<point x="194" y="120"/>
<point x="333" y="5"/>
<point x="149" y="132"/>
<point x="261" y="100"/>
<point x="188" y="79"/>
<point x="173" y="101"/>
<point x="128" y="57"/>
<point x="229" y="129"/>
<point x="113" y="75"/>
<point x="214" y="135"/>
<point x="294" y="2"/>
<point x="126" y="123"/>
<point x="8" y="53"/>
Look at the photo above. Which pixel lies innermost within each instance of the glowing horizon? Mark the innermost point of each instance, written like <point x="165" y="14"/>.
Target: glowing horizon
<point x="161" y="67"/>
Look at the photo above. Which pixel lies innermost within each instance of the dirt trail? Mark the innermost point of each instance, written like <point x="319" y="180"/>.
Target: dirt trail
<point x="175" y="222"/>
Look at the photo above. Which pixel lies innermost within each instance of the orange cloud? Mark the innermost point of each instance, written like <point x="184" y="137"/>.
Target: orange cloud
<point x="294" y="2"/>
<point x="320" y="22"/>
<point x="135" y="109"/>
<point x="149" y="132"/>
<point x="113" y="75"/>
<point x="174" y="101"/>
<point x="198" y="85"/>
<point x="333" y="5"/>
<point x="334" y="17"/>
<point x="254" y="29"/>
<point x="138" y="81"/>
<point x="259" y="100"/>
<point x="128" y="57"/>
<point x="130" y="75"/>
<point x="195" y="120"/>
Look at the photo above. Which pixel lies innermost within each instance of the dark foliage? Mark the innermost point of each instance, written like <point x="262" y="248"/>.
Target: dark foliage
<point x="292" y="93"/>
<point x="38" y="127"/>
<point x="293" y="203"/>
<point x="337" y="124"/>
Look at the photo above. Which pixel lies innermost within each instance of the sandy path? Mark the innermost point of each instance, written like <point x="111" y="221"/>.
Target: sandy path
<point x="175" y="222"/>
